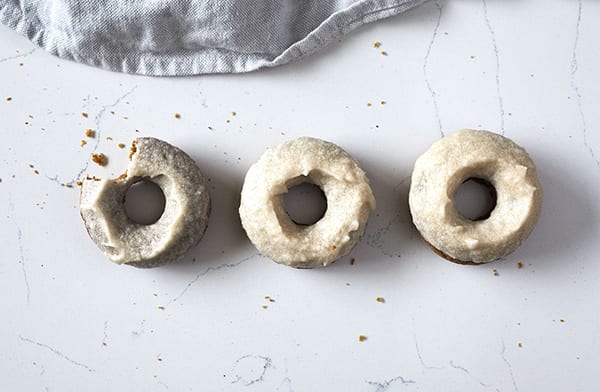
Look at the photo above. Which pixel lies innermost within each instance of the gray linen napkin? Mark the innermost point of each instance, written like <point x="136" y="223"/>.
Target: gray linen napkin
<point x="187" y="37"/>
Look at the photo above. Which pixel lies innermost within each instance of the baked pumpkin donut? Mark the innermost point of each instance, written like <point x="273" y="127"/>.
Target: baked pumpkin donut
<point x="346" y="188"/>
<point x="483" y="155"/>
<point x="182" y="223"/>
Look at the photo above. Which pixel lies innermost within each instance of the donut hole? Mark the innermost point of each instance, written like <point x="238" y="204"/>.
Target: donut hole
<point x="475" y="199"/>
<point x="144" y="202"/>
<point x="305" y="203"/>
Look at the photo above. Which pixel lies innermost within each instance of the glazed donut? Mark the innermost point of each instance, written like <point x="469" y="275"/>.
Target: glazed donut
<point x="182" y="223"/>
<point x="346" y="188"/>
<point x="470" y="154"/>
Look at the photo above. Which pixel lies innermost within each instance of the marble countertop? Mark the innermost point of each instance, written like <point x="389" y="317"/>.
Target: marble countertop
<point x="74" y="321"/>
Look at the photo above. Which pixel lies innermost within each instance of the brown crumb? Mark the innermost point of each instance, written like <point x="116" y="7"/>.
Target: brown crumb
<point x="520" y="344"/>
<point x="495" y="271"/>
<point x="79" y="183"/>
<point x="271" y="299"/>
<point x="132" y="150"/>
<point x="159" y="359"/>
<point x="160" y="307"/>
<point x="104" y="344"/>
<point x="109" y="138"/>
<point x="228" y="121"/>
<point x="30" y="166"/>
<point x="99" y="159"/>
<point x="384" y="53"/>
<point x="36" y="171"/>
<point x="347" y="283"/>
<point x="69" y="185"/>
<point x="369" y="104"/>
<point x="177" y="116"/>
<point x="362" y="338"/>
<point x="333" y="247"/>
<point x="90" y="133"/>
<point x="8" y="99"/>
<point x="352" y="261"/>
<point x="561" y="320"/>
<point x="84" y="114"/>
<point x="112" y="112"/>
<point x="121" y="145"/>
<point x="264" y="306"/>
<point x="383" y="102"/>
<point x="233" y="113"/>
<point x="380" y="299"/>
<point x="376" y="44"/>
<point x="267" y="296"/>
<point x="519" y="265"/>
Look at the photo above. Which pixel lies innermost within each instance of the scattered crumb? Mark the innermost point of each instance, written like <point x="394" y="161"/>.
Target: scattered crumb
<point x="445" y="33"/>
<point x="362" y="338"/>
<point x="69" y="185"/>
<point x="90" y="133"/>
<point x="210" y="128"/>
<point x="233" y="113"/>
<point x="177" y="116"/>
<point x="79" y="183"/>
<point x="376" y="44"/>
<point x="30" y="116"/>
<point x="369" y="104"/>
<point x="383" y="102"/>
<point x="109" y="138"/>
<point x="520" y="344"/>
<point x="160" y="307"/>
<point x="509" y="113"/>
<point x="36" y="171"/>
<point x="84" y="114"/>
<point x="380" y="299"/>
<point x="125" y="118"/>
<point x="561" y="320"/>
<point x="121" y="145"/>
<point x="104" y="344"/>
<point x="99" y="159"/>
<point x="519" y="265"/>
<point x="30" y="166"/>
<point x="159" y="359"/>
<point x="112" y="112"/>
<point x="8" y="99"/>
<point x="271" y="299"/>
<point x="264" y="306"/>
<point x="495" y="271"/>
<point x="352" y="261"/>
<point x="384" y="53"/>
<point x="472" y="57"/>
<point x="347" y="283"/>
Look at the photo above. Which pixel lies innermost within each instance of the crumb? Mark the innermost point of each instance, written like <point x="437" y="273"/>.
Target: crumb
<point x="520" y="344"/>
<point x="267" y="296"/>
<point x="84" y="114"/>
<point x="271" y="299"/>
<point x="210" y="128"/>
<point x="384" y="53"/>
<point x="160" y="307"/>
<point x="264" y="306"/>
<point x="383" y="102"/>
<point x="561" y="320"/>
<point x="99" y="159"/>
<point x="228" y="121"/>
<point x="233" y="113"/>
<point x="369" y="104"/>
<point x="380" y="299"/>
<point x="362" y="338"/>
<point x="109" y="138"/>
<point x="445" y="33"/>
<point x="509" y="113"/>
<point x="125" y="118"/>
<point x="352" y="261"/>
<point x="79" y="183"/>
<point x="30" y="166"/>
<point x="112" y="112"/>
<point x="519" y="265"/>
<point x="36" y="171"/>
<point x="83" y="142"/>
<point x="495" y="271"/>
<point x="333" y="247"/>
<point x="90" y="133"/>
<point x="177" y="116"/>
<point x="121" y="145"/>
<point x="159" y="359"/>
<point x="347" y="283"/>
<point x="8" y="99"/>
<point x="472" y="57"/>
<point x="376" y="44"/>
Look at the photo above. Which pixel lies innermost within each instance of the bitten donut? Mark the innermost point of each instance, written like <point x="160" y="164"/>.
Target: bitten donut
<point x="182" y="223"/>
<point x="482" y="155"/>
<point x="346" y="188"/>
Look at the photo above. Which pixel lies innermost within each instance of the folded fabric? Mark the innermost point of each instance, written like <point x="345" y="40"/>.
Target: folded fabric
<point x="187" y="37"/>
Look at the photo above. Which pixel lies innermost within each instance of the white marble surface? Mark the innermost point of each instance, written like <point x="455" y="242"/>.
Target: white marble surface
<point x="73" y="321"/>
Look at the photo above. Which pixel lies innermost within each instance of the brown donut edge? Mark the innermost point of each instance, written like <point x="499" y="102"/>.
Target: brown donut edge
<point x="447" y="257"/>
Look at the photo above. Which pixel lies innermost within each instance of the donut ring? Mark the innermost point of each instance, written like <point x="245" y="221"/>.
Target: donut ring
<point x="480" y="155"/>
<point x="182" y="223"/>
<point x="346" y="187"/>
